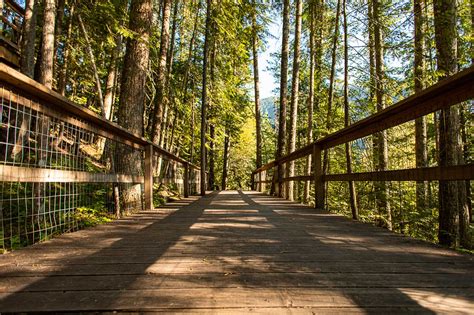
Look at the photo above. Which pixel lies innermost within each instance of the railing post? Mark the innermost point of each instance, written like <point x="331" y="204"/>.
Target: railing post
<point x="318" y="178"/>
<point x="186" y="180"/>
<point x="148" y="183"/>
<point x="279" y="183"/>
<point x="263" y="177"/>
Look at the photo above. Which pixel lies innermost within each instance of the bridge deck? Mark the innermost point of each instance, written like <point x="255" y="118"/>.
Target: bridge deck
<point x="236" y="252"/>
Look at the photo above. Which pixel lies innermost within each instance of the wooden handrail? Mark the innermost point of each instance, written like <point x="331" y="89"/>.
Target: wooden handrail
<point x="15" y="6"/>
<point x="449" y="92"/>
<point x="61" y="104"/>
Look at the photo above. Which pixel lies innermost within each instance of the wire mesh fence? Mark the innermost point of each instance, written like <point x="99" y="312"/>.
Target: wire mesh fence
<point x="60" y="172"/>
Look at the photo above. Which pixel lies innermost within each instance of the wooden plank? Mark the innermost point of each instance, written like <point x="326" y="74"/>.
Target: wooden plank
<point x="224" y="298"/>
<point x="9" y="173"/>
<point x="186" y="180"/>
<point x="15" y="6"/>
<point x="236" y="251"/>
<point x="148" y="178"/>
<point x="318" y="178"/>
<point x="298" y="178"/>
<point x="458" y="172"/>
<point x="13" y="26"/>
<point x="232" y="279"/>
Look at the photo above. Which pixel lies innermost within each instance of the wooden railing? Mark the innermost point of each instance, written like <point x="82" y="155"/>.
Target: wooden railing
<point x="11" y="19"/>
<point x="57" y="158"/>
<point x="449" y="92"/>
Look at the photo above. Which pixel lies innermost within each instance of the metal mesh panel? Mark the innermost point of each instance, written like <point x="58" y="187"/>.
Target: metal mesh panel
<point x="58" y="173"/>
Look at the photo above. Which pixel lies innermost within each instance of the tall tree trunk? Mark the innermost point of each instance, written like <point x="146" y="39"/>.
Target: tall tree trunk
<point x="383" y="203"/>
<point x="256" y="86"/>
<point x="281" y="148"/>
<point x="47" y="45"/>
<point x="331" y="89"/>
<point x="170" y="56"/>
<point x="98" y="84"/>
<point x="132" y="95"/>
<point x="59" y="30"/>
<point x="204" y="99"/>
<point x="161" y="97"/>
<point x="352" y="190"/>
<point x="27" y="58"/>
<point x="294" y="98"/>
<point x="420" y="123"/>
<point x="45" y="78"/>
<point x="63" y="73"/>
<point x="190" y="52"/>
<point x="110" y="88"/>
<point x="27" y="66"/>
<point x="453" y="212"/>
<point x="225" y="163"/>
<point x="310" y="100"/>
<point x="372" y="88"/>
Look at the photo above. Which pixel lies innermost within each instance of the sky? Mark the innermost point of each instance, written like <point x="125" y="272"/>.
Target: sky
<point x="267" y="81"/>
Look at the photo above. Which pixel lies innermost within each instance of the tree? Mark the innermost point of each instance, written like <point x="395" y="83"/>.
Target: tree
<point x="27" y="57"/>
<point x="453" y="211"/>
<point x="256" y="86"/>
<point x="329" y="113"/>
<point x="281" y="147"/>
<point x="63" y="72"/>
<point x="381" y="152"/>
<point x="352" y="190"/>
<point x="294" y="97"/>
<point x="204" y="97"/>
<point x="161" y="98"/>
<point x="420" y="123"/>
<point x="132" y="95"/>
<point x="47" y="44"/>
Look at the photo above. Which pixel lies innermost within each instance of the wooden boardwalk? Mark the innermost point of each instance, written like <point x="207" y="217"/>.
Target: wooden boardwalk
<point x="234" y="252"/>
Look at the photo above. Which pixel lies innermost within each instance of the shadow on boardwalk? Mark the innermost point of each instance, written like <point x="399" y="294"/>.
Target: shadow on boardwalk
<point x="236" y="252"/>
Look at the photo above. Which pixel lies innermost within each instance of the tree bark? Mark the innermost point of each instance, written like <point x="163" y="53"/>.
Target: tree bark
<point x="161" y="97"/>
<point x="256" y="87"/>
<point x="352" y="190"/>
<point x="453" y="211"/>
<point x="310" y="100"/>
<point x="204" y="99"/>
<point x="45" y="77"/>
<point x="294" y="98"/>
<point x="383" y="203"/>
<point x="420" y="123"/>
<point x="27" y="66"/>
<point x="132" y="96"/>
<point x="47" y="47"/>
<point x="62" y="80"/>
<point x="110" y="88"/>
<point x="281" y="148"/>
<point x="59" y="28"/>
<point x="331" y="89"/>
<point x="27" y="58"/>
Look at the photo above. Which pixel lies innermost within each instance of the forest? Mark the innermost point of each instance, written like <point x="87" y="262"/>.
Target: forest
<point x="184" y="74"/>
